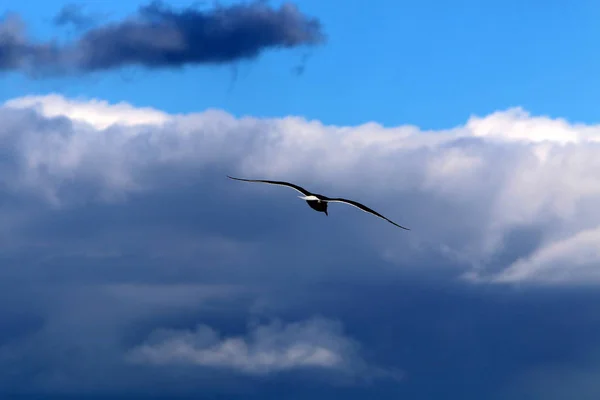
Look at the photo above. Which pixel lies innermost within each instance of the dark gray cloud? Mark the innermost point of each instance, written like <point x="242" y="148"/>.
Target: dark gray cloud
<point x="17" y="53"/>
<point x="160" y="37"/>
<point x="471" y="342"/>
<point x="131" y="266"/>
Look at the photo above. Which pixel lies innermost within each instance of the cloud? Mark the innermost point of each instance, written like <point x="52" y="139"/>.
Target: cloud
<point x="122" y="240"/>
<point x="72" y="14"/>
<point x="99" y="114"/>
<point x="560" y="261"/>
<point x="160" y="37"/>
<point x="71" y="335"/>
<point x="315" y="343"/>
<point x="464" y="191"/>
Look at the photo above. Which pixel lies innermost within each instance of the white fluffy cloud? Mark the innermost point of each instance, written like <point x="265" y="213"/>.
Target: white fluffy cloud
<point x="316" y="343"/>
<point x="462" y="190"/>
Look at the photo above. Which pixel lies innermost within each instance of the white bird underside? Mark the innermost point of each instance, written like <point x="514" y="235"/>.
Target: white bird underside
<point x="309" y="197"/>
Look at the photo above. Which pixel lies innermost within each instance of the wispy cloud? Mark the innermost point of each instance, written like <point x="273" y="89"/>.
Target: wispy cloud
<point x="160" y="37"/>
<point x="316" y="343"/>
<point x="73" y="14"/>
<point x="559" y="261"/>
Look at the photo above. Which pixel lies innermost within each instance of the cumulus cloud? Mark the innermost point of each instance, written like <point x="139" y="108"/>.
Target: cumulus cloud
<point x="316" y="343"/>
<point x="159" y="37"/>
<point x="131" y="264"/>
<point x="465" y="192"/>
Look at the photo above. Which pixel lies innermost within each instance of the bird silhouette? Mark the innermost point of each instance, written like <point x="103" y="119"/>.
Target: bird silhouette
<point x="318" y="202"/>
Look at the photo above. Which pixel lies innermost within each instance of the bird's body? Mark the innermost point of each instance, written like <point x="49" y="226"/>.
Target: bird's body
<point x="319" y="202"/>
<point x="316" y="202"/>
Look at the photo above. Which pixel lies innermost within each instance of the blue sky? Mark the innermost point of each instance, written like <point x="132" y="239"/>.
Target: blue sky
<point x="427" y="63"/>
<point x="131" y="266"/>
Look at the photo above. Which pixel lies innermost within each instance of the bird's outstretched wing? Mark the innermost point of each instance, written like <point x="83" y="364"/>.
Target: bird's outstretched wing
<point x="280" y="183"/>
<point x="365" y="209"/>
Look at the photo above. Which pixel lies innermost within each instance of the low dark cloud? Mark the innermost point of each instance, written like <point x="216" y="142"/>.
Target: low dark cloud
<point x="159" y="37"/>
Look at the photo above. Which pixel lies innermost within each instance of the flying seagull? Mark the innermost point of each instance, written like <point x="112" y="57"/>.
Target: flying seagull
<point x="318" y="202"/>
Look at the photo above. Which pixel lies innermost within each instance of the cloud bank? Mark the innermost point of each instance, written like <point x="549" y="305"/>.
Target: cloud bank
<point x="159" y="37"/>
<point x="131" y="264"/>
<point x="482" y="194"/>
